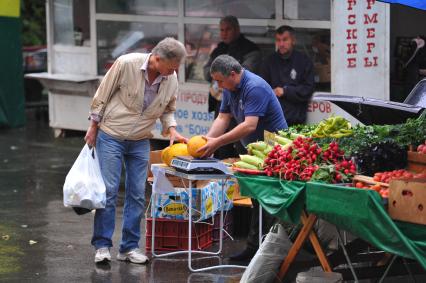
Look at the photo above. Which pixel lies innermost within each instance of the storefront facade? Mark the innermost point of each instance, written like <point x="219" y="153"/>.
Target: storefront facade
<point x="85" y="37"/>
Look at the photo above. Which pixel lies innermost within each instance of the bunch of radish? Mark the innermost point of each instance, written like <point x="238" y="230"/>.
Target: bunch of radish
<point x="305" y="160"/>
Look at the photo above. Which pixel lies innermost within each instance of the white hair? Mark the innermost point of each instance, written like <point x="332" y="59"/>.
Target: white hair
<point x="170" y="49"/>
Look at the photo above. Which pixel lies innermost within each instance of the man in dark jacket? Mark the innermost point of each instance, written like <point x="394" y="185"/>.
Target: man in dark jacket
<point x="246" y="53"/>
<point x="290" y="73"/>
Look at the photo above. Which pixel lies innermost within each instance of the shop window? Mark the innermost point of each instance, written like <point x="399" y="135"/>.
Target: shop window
<point x="252" y="9"/>
<point x="316" y="44"/>
<point x="118" y="38"/>
<point x="200" y="40"/>
<point x="308" y="10"/>
<point x="138" y="7"/>
<point x="71" y="22"/>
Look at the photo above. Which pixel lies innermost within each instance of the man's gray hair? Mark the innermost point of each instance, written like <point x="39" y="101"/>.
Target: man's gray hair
<point x="232" y="21"/>
<point x="170" y="49"/>
<point x="225" y="64"/>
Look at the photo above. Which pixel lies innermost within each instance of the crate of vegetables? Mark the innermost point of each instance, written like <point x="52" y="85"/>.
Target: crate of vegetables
<point x="366" y="182"/>
<point x="407" y="200"/>
<point x="417" y="159"/>
<point x="380" y="181"/>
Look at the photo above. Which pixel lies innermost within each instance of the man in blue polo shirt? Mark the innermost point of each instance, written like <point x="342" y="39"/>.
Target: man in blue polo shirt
<point x="252" y="102"/>
<point x="247" y="98"/>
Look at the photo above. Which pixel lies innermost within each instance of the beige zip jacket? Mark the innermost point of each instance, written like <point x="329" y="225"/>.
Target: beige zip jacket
<point x="119" y="100"/>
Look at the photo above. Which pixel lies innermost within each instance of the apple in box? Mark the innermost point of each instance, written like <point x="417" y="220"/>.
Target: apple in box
<point x="422" y="148"/>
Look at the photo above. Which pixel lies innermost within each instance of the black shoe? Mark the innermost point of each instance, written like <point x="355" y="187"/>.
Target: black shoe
<point x="245" y="255"/>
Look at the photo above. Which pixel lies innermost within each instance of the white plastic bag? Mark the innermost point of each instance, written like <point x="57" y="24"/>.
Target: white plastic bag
<point x="84" y="186"/>
<point x="265" y="265"/>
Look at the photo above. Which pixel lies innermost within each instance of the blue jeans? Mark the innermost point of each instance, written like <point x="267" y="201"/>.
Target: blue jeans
<point x="135" y="154"/>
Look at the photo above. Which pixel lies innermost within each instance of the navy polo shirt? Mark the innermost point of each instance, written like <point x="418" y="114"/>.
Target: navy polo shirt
<point x="254" y="97"/>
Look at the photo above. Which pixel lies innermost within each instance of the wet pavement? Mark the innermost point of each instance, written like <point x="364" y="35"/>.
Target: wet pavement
<point x="43" y="241"/>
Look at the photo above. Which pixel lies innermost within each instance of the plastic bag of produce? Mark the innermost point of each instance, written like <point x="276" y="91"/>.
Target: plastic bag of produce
<point x="265" y="264"/>
<point x="84" y="186"/>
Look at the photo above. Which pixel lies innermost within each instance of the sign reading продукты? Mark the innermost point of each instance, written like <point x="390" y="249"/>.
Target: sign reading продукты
<point x="191" y="114"/>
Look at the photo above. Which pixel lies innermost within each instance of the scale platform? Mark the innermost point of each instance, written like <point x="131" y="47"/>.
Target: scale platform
<point x="191" y="165"/>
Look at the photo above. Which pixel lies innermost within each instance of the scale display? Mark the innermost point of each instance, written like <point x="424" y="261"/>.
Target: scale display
<point x="189" y="164"/>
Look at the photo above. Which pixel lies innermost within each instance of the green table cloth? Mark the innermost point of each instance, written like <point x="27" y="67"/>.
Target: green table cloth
<point x="282" y="199"/>
<point x="360" y="212"/>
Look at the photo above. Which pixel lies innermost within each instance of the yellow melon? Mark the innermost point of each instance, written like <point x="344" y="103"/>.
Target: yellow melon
<point x="194" y="144"/>
<point x="170" y="152"/>
<point x="164" y="154"/>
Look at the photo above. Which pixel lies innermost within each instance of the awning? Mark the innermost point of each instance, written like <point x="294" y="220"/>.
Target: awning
<point x="63" y="77"/>
<point x="419" y="4"/>
<point x="69" y="84"/>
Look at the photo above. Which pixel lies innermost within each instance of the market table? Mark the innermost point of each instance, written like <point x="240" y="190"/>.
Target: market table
<point x="360" y="212"/>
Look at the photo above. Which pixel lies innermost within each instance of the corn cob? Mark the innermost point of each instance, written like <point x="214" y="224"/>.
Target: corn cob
<point x="259" y="154"/>
<point x="253" y="160"/>
<point x="294" y="136"/>
<point x="282" y="140"/>
<point x="244" y="165"/>
<point x="268" y="149"/>
<point x="260" y="145"/>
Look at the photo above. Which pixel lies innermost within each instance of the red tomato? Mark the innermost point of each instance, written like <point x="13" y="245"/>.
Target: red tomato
<point x="408" y="175"/>
<point x="359" y="185"/>
<point x="376" y="187"/>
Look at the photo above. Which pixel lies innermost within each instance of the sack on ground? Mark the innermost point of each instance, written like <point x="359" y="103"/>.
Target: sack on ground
<point x="84" y="186"/>
<point x="265" y="264"/>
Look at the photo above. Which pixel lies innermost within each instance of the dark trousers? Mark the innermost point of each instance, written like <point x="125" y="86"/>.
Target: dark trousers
<point x="267" y="222"/>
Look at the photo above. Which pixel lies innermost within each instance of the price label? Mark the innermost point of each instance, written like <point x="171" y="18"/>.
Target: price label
<point x="269" y="138"/>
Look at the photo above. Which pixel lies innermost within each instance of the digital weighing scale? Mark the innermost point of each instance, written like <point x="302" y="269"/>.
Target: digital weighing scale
<point x="191" y="165"/>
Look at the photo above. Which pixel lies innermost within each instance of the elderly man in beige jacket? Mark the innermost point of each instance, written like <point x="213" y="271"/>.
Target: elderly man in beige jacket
<point x="136" y="91"/>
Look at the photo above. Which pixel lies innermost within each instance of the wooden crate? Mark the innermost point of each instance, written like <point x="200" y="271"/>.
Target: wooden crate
<point x="416" y="161"/>
<point x="407" y="200"/>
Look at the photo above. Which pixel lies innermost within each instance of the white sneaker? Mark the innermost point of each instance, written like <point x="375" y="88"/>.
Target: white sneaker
<point x="134" y="256"/>
<point x="102" y="254"/>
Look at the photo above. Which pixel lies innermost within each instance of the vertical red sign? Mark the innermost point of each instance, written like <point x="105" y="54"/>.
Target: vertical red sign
<point x="363" y="46"/>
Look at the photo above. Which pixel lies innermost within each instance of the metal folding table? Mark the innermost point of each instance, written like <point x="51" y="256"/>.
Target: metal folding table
<point x="191" y="178"/>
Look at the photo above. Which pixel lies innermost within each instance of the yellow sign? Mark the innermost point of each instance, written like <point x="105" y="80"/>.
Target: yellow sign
<point x="230" y="192"/>
<point x="209" y="205"/>
<point x="269" y="138"/>
<point x="175" y="209"/>
<point x="10" y="8"/>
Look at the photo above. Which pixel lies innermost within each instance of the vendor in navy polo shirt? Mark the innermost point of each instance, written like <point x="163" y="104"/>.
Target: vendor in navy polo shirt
<point x="291" y="74"/>
<point x="252" y="102"/>
<point x="247" y="98"/>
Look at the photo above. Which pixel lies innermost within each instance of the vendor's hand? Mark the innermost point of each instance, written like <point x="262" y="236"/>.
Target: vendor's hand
<point x="91" y="134"/>
<point x="279" y="91"/>
<point x="174" y="135"/>
<point x="210" y="147"/>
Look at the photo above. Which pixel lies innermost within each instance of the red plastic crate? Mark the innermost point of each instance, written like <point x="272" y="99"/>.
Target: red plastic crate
<point x="172" y="235"/>
<point x="227" y="225"/>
